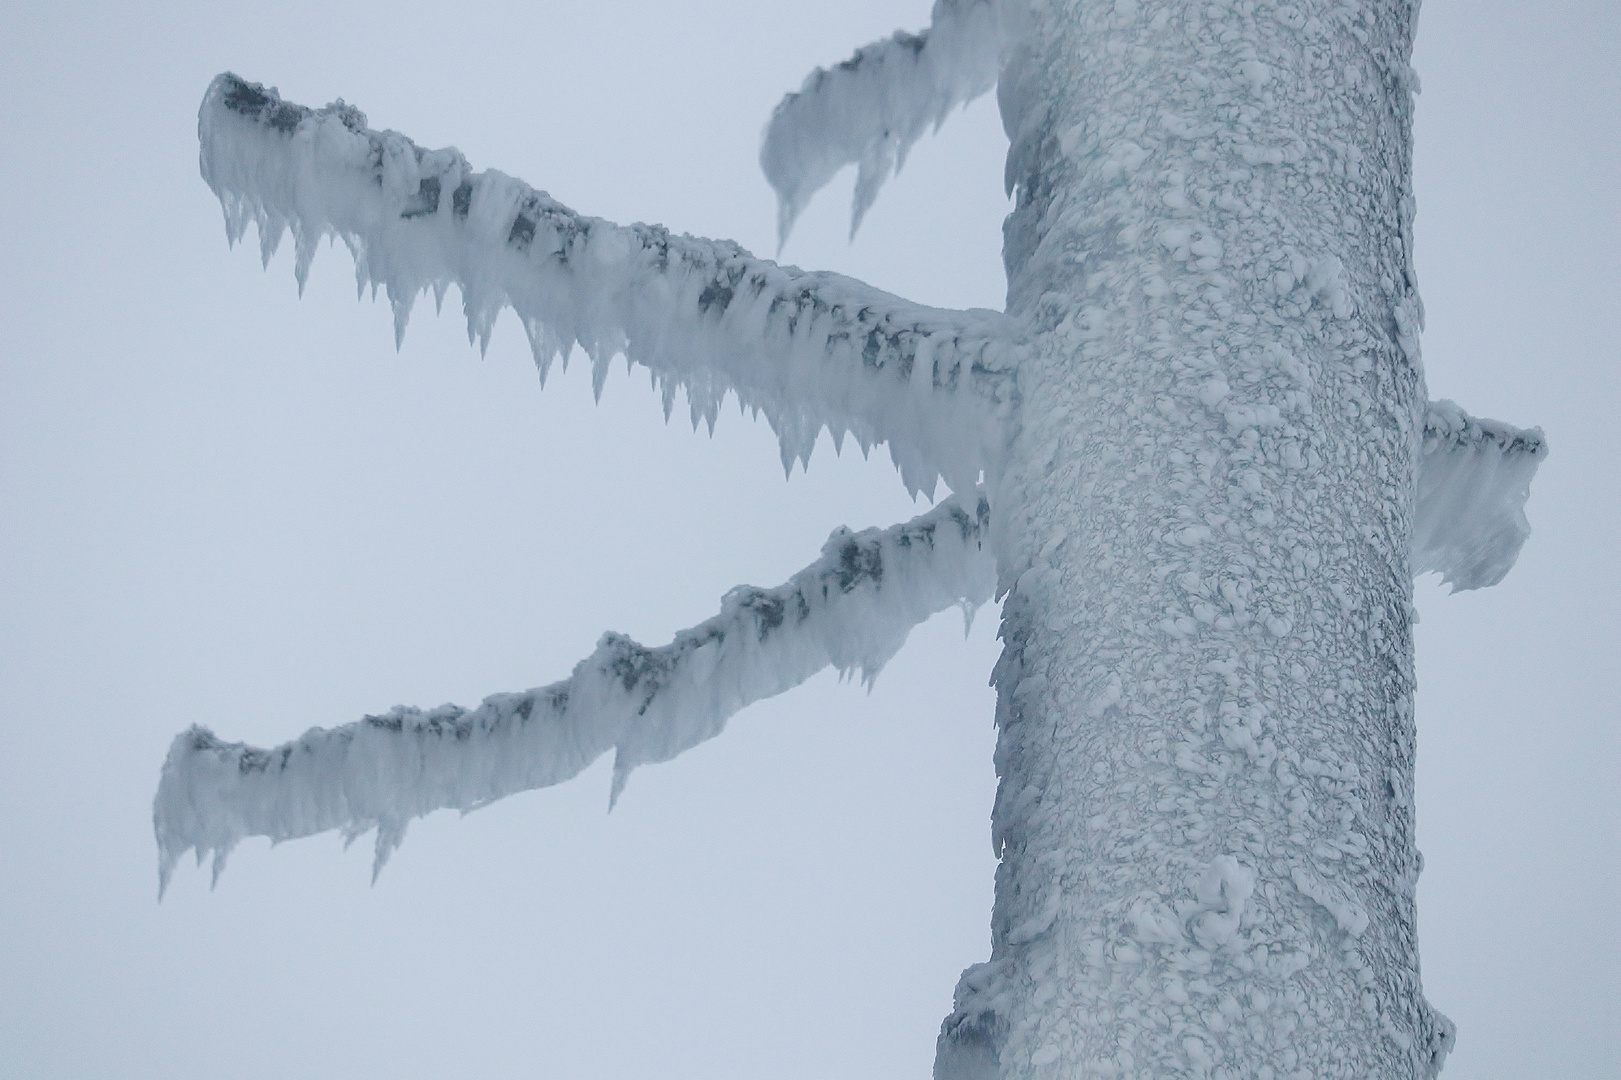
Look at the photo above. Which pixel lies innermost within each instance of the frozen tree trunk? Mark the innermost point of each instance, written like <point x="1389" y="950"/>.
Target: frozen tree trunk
<point x="1205" y="702"/>
<point x="1209" y="475"/>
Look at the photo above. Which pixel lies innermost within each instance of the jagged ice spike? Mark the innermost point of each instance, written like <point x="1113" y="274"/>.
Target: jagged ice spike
<point x="870" y="109"/>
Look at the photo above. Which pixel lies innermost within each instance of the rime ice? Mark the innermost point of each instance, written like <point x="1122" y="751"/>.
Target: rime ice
<point x="852" y="609"/>
<point x="870" y="109"/>
<point x="1209" y="475"/>
<point x="809" y="350"/>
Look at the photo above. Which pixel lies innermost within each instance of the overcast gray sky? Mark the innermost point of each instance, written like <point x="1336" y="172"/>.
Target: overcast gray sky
<point x="221" y="504"/>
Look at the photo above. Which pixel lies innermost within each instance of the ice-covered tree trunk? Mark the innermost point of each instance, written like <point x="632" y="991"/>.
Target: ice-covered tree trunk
<point x="1205" y="700"/>
<point x="1209" y="475"/>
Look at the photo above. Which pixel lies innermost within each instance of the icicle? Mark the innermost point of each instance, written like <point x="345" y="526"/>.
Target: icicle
<point x="221" y="854"/>
<point x="542" y="347"/>
<point x="871" y="108"/>
<point x="390" y="834"/>
<point x="165" y="874"/>
<point x="304" y="246"/>
<point x="270" y="232"/>
<point x="236" y="219"/>
<point x="877" y="163"/>
<point x="785" y="451"/>
<point x="357" y="251"/>
<point x="401" y="300"/>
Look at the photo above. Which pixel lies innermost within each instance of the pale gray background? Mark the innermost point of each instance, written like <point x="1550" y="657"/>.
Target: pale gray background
<point x="220" y="504"/>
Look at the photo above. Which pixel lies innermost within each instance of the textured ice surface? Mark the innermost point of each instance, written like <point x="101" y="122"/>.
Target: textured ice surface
<point x="870" y="109"/>
<point x="1200" y="434"/>
<point x="1472" y="485"/>
<point x="852" y="608"/>
<point x="809" y="350"/>
<point x="1204" y="706"/>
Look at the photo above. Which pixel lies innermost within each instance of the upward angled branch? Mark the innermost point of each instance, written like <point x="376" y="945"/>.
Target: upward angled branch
<point x="871" y="108"/>
<point x="808" y="350"/>
<point x="851" y="608"/>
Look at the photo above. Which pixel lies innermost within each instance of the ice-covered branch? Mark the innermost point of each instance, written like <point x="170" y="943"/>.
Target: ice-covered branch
<point x="1472" y="485"/>
<point x="807" y="349"/>
<point x="852" y="608"/>
<point x="870" y="109"/>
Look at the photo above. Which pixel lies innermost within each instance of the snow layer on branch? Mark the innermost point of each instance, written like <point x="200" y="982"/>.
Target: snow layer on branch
<point x="809" y="350"/>
<point x="871" y="108"/>
<point x="1473" y="481"/>
<point x="852" y="608"/>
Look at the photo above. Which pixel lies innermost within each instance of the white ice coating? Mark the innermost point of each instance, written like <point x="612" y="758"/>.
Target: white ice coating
<point x="1205" y="702"/>
<point x="809" y="350"/>
<point x="1473" y="481"/>
<point x="852" y="608"/>
<point x="869" y="110"/>
<point x="1210" y="476"/>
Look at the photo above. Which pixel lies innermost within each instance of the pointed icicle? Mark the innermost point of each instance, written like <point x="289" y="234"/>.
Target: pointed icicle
<point x="236" y="219"/>
<point x="871" y="108"/>
<point x="787" y="213"/>
<point x="270" y="230"/>
<point x="357" y="252"/>
<point x="969" y="610"/>
<point x="221" y="853"/>
<point x="621" y="776"/>
<point x="304" y="245"/>
<point x="876" y="166"/>
<point x="540" y="347"/>
<point x="401" y="302"/>
<point x="390" y="834"/>
<point x="166" y="864"/>
<point x="353" y="831"/>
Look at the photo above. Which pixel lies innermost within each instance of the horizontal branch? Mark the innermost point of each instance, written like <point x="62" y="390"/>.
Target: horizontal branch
<point x="852" y="608"/>
<point x="1473" y="481"/>
<point x="870" y="109"/>
<point x="809" y="350"/>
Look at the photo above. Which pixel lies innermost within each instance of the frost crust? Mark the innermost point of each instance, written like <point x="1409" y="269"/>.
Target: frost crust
<point x="1473" y="482"/>
<point x="852" y="608"/>
<point x="808" y="350"/>
<point x="869" y="110"/>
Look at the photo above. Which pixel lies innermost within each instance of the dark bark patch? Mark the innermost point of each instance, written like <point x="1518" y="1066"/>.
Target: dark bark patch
<point x="425" y="201"/>
<point x="523" y="232"/>
<point x="717" y="294"/>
